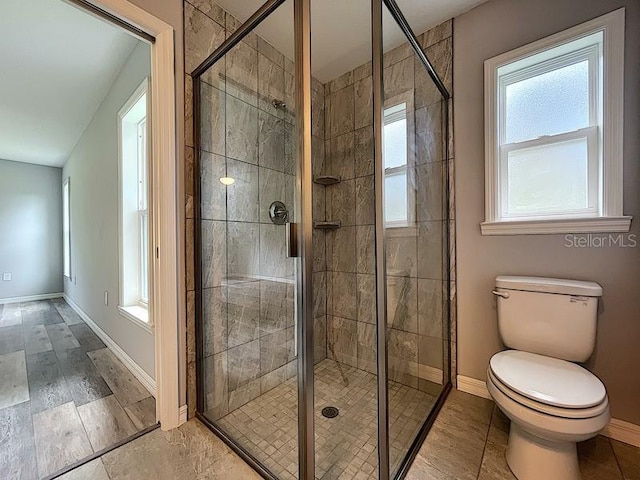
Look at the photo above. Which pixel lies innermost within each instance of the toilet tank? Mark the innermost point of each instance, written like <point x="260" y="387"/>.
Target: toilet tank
<point x="548" y="316"/>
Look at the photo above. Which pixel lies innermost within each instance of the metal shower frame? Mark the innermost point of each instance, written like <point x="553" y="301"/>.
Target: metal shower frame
<point x="305" y="347"/>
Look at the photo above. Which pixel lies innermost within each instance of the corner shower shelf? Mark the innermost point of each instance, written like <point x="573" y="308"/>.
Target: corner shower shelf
<point x="326" y="225"/>
<point x="326" y="179"/>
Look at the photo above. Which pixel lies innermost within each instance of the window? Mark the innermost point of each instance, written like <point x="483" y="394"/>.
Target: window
<point x="553" y="127"/>
<point x="143" y="213"/>
<point x="66" y="228"/>
<point x="134" y="213"/>
<point x="398" y="206"/>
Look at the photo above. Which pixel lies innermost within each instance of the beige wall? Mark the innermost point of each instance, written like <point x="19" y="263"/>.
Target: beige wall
<point x="490" y="29"/>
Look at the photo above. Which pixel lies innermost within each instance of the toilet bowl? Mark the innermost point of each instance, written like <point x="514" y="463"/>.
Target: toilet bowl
<point x="552" y="402"/>
<point x="543" y="435"/>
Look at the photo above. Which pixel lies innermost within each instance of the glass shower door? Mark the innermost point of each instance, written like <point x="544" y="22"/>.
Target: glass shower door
<point x="413" y="130"/>
<point x="248" y="360"/>
<point x="322" y="289"/>
<point x="346" y="372"/>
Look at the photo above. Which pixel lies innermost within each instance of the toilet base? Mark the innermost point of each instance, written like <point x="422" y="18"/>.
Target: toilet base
<point x="533" y="458"/>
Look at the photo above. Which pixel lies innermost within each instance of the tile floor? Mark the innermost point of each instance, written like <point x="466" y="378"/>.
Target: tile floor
<point x="468" y="441"/>
<point x="190" y="452"/>
<point x="346" y="444"/>
<point x="63" y="394"/>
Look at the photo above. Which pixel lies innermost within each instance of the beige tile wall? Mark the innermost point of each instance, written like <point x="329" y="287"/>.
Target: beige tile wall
<point x="344" y="301"/>
<point x="416" y="286"/>
<point x="247" y="281"/>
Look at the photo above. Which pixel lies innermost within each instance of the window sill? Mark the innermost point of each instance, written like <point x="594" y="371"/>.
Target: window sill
<point x="409" y="230"/>
<point x="138" y="315"/>
<point x="542" y="227"/>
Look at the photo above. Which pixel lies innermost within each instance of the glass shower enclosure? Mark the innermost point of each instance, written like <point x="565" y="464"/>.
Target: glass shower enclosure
<point x="322" y="269"/>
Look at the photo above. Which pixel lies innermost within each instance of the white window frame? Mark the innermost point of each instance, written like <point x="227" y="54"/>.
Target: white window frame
<point x="605" y="212"/>
<point x="66" y="227"/>
<point x="143" y="215"/>
<point x="137" y="311"/>
<point x="400" y="111"/>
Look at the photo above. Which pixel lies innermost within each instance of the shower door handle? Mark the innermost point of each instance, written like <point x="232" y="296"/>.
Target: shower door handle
<point x="291" y="239"/>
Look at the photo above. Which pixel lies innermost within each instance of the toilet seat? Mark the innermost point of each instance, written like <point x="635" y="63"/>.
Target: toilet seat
<point x="548" y="385"/>
<point x="568" y="413"/>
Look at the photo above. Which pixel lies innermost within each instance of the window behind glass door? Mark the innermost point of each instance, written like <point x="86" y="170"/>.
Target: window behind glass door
<point x="398" y="192"/>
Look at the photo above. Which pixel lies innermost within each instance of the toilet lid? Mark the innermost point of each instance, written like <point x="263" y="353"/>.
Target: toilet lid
<point x="548" y="380"/>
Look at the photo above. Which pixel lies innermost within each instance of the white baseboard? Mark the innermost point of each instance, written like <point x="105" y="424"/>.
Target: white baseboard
<point x="432" y="374"/>
<point x="617" y="429"/>
<point x="137" y="371"/>
<point x="31" y="298"/>
<point x="183" y="414"/>
<point x="473" y="386"/>
<point x="623" y="431"/>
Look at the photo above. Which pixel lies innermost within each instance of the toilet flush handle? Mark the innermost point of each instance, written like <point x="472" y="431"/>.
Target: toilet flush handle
<point x="500" y="294"/>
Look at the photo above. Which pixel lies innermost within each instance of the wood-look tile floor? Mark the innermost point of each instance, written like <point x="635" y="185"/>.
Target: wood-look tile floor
<point x="467" y="441"/>
<point x="63" y="394"/>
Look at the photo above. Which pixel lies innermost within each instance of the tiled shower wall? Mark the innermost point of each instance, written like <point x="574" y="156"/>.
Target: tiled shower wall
<point x="349" y="153"/>
<point x="248" y="283"/>
<point x="416" y="283"/>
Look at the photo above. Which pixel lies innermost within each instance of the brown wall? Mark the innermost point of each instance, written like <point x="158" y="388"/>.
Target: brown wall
<point x="488" y="30"/>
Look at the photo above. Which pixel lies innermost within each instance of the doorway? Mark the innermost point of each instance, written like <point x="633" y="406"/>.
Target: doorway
<point x="87" y="349"/>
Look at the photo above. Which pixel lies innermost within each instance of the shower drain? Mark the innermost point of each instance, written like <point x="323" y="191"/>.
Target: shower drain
<point x="330" y="412"/>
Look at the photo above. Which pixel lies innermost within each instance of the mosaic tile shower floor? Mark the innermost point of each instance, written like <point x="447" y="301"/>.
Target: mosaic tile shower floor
<point x="345" y="445"/>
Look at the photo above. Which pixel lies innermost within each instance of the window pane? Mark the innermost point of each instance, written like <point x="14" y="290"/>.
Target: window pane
<point x="142" y="164"/>
<point x="144" y="258"/>
<point x="395" y="144"/>
<point x="548" y="104"/>
<point x="547" y="179"/>
<point x="395" y="188"/>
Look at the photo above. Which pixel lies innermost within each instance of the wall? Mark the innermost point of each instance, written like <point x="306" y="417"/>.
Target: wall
<point x="488" y="30"/>
<point x="93" y="169"/>
<point x="414" y="254"/>
<point x="30" y="229"/>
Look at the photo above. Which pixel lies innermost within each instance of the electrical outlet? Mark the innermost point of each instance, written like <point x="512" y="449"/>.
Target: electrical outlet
<point x="6" y="277"/>
<point x="106" y="298"/>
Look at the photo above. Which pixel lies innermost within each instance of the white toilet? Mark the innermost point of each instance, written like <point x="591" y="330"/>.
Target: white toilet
<point x="552" y="402"/>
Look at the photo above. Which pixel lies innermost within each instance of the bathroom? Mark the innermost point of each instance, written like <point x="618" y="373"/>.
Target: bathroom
<point x="364" y="178"/>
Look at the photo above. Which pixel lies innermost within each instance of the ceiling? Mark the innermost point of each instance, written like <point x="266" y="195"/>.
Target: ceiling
<point x="58" y="63"/>
<point x="341" y="29"/>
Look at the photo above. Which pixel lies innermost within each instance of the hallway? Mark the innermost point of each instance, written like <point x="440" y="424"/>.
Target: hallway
<point x="63" y="394"/>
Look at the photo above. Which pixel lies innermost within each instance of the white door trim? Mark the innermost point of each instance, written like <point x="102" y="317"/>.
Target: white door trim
<point x="164" y="213"/>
